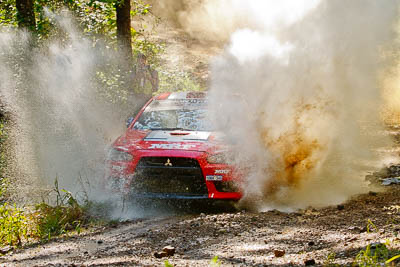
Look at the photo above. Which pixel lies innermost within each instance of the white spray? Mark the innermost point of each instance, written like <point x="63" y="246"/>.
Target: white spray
<point x="307" y="75"/>
<point x="64" y="122"/>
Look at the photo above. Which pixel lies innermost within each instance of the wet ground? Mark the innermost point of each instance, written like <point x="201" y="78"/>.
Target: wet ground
<point x="330" y="235"/>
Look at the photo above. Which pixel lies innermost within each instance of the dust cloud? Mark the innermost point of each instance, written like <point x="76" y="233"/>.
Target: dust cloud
<point x="298" y="88"/>
<point x="391" y="88"/>
<point x="207" y="21"/>
<point x="64" y="121"/>
<point x="216" y="20"/>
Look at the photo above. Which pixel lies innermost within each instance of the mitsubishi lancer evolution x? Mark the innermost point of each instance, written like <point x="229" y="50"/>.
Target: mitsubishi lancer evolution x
<point x="171" y="151"/>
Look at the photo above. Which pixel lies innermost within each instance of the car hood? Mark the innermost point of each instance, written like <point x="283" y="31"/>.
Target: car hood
<point x="169" y="140"/>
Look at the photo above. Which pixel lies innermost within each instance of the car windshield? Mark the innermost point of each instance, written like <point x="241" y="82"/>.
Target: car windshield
<point x="174" y="117"/>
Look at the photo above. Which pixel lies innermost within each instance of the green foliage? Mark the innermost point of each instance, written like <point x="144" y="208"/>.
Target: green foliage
<point x="13" y="225"/>
<point x="98" y="18"/>
<point x="18" y="225"/>
<point x="151" y="50"/>
<point x="94" y="18"/>
<point x="3" y="133"/>
<point x="377" y="255"/>
<point x="330" y="259"/>
<point x="8" y="13"/>
<point x="66" y="215"/>
<point x="139" y="8"/>
<point x="373" y="257"/>
<point x="56" y="220"/>
<point x="112" y="87"/>
<point x="392" y="259"/>
<point x="43" y="23"/>
<point x="371" y="225"/>
<point x="3" y="158"/>
<point x="177" y="81"/>
<point x="215" y="262"/>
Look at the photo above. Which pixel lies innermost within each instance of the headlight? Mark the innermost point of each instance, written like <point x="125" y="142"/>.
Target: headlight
<point x="219" y="158"/>
<point x="118" y="155"/>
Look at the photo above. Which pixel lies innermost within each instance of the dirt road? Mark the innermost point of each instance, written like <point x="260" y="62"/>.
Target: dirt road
<point x="237" y="238"/>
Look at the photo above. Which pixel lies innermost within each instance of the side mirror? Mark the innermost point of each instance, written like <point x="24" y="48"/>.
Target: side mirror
<point x="129" y="121"/>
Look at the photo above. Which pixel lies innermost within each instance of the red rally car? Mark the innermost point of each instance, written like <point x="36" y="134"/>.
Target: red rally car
<point x="170" y="151"/>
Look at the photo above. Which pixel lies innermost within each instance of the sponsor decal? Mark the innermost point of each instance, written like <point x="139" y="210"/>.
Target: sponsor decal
<point x="222" y="171"/>
<point x="177" y="137"/>
<point x="213" y="177"/>
<point x="171" y="146"/>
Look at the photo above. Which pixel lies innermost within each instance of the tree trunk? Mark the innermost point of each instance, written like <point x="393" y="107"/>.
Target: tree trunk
<point x="25" y="14"/>
<point x="123" y="9"/>
<point x="124" y="39"/>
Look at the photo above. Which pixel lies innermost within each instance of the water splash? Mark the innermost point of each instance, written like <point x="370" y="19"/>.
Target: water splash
<point x="308" y="82"/>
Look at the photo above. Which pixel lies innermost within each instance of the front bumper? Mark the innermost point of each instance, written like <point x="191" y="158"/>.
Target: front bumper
<point x="199" y="180"/>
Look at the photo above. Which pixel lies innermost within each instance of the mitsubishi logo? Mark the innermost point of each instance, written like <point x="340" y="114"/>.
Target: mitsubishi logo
<point x="168" y="163"/>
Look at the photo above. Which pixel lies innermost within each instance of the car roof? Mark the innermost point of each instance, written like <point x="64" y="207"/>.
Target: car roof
<point x="181" y="95"/>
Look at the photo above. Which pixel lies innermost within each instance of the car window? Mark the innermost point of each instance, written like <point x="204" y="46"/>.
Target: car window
<point x="187" y="119"/>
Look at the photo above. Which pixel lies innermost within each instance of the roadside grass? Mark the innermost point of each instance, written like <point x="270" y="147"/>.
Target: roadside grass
<point x="373" y="255"/>
<point x="43" y="221"/>
<point x="330" y="260"/>
<point x="376" y="254"/>
<point x="66" y="215"/>
<point x="14" y="225"/>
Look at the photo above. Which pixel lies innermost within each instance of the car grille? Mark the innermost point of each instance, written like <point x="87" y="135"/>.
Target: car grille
<point x="169" y="175"/>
